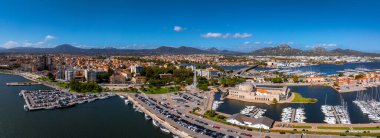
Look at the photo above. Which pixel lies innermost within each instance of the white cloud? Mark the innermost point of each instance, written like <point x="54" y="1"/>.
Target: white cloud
<point x="178" y="28"/>
<point x="226" y="35"/>
<point x="13" y="44"/>
<point x="243" y="35"/>
<point x="264" y="43"/>
<point x="324" y="45"/>
<point x="49" y="37"/>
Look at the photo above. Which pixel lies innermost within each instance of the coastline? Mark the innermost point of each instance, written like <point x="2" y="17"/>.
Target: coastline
<point x="156" y="118"/>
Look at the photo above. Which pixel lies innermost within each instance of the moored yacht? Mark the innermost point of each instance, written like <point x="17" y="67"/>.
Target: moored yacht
<point x="163" y="129"/>
<point x="147" y="117"/>
<point x="155" y="123"/>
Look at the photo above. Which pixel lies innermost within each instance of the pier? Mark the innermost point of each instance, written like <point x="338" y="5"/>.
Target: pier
<point x="23" y="83"/>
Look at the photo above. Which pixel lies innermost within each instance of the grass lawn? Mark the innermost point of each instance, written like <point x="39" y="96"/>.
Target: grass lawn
<point x="334" y="128"/>
<point x="5" y="72"/>
<point x="301" y="126"/>
<point x="63" y="85"/>
<point x="366" y="128"/>
<point x="161" y="90"/>
<point x="298" y="98"/>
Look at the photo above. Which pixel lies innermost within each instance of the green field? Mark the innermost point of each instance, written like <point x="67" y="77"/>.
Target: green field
<point x="301" y="126"/>
<point x="334" y="128"/>
<point x="366" y="128"/>
<point x="298" y="98"/>
<point x="161" y="90"/>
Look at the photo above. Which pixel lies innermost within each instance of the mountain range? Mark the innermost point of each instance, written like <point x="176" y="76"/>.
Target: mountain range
<point x="281" y="50"/>
<point x="286" y="50"/>
<point x="69" y="49"/>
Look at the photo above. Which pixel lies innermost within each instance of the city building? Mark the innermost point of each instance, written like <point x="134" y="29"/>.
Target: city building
<point x="60" y="74"/>
<point x="90" y="75"/>
<point x="117" y="79"/>
<point x="207" y="73"/>
<point x="139" y="79"/>
<point x="69" y="75"/>
<point x="250" y="93"/>
<point x="44" y="62"/>
<point x="137" y="69"/>
<point x="126" y="74"/>
<point x="259" y="123"/>
<point x="314" y="79"/>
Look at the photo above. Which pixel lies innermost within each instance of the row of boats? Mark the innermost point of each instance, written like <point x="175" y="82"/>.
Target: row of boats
<point x="337" y="114"/>
<point x="253" y="111"/>
<point x="147" y="117"/>
<point x="216" y="104"/>
<point x="369" y="108"/>
<point x="290" y="115"/>
<point x="369" y="104"/>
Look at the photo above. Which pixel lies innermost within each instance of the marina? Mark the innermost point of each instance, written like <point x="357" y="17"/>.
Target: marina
<point x="107" y="118"/>
<point x="53" y="99"/>
<point x="369" y="105"/>
<point x="293" y="115"/>
<point x="313" y="112"/>
<point x="252" y="111"/>
<point x="336" y="114"/>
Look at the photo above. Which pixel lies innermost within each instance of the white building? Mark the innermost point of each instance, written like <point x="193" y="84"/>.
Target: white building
<point x="207" y="73"/>
<point x="90" y="75"/>
<point x="259" y="123"/>
<point x="137" y="69"/>
<point x="69" y="75"/>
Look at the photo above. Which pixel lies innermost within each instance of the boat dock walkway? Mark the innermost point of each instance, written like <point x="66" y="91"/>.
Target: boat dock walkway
<point x="336" y="116"/>
<point x="22" y="83"/>
<point x="293" y="115"/>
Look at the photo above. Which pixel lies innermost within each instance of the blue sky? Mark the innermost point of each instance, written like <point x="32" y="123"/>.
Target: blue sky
<point x="240" y="25"/>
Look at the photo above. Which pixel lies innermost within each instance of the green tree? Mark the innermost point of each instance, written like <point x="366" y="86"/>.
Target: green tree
<point x="277" y="80"/>
<point x="295" y="78"/>
<point x="51" y="76"/>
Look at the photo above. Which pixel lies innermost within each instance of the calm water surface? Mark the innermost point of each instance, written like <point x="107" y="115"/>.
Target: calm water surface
<point x="102" y="118"/>
<point x="313" y="111"/>
<point x="327" y="69"/>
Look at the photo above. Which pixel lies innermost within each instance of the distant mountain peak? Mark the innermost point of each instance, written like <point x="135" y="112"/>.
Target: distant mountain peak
<point x="65" y="46"/>
<point x="286" y="50"/>
<point x="213" y="49"/>
<point x="284" y="46"/>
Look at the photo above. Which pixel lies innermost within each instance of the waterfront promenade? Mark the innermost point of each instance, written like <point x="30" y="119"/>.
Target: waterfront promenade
<point x="155" y="117"/>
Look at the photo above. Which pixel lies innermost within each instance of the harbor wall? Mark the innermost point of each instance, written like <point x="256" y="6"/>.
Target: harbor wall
<point x="154" y="117"/>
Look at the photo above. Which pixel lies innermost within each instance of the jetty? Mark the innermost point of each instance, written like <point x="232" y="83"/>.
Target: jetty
<point x="53" y="99"/>
<point x="23" y="83"/>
